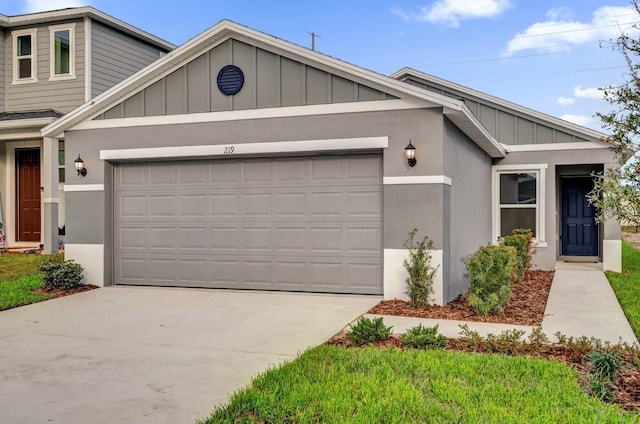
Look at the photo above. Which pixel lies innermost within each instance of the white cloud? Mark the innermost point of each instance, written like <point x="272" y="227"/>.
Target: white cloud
<point x="588" y="93"/>
<point x="576" y="119"/>
<point x="32" y="6"/>
<point x="560" y="32"/>
<point x="566" y="101"/>
<point x="451" y="12"/>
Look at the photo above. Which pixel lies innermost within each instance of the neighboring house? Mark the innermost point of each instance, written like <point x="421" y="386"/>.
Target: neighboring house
<point x="244" y="161"/>
<point x="50" y="63"/>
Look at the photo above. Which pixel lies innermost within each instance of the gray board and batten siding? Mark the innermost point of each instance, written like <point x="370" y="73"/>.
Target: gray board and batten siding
<point x="270" y="80"/>
<point x="292" y="223"/>
<point x="60" y="95"/>
<point x="3" y="69"/>
<point x="506" y="126"/>
<point x="116" y="56"/>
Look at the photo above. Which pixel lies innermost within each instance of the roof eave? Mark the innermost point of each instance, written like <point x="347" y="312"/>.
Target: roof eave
<point x="469" y="124"/>
<point x="80" y="12"/>
<point x="501" y="103"/>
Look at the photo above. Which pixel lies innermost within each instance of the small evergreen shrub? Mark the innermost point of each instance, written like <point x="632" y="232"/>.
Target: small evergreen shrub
<point x="60" y="275"/>
<point x="420" y="337"/>
<point x="367" y="330"/>
<point x="606" y="364"/>
<point x="420" y="272"/>
<point x="519" y="243"/>
<point x="528" y="256"/>
<point x="490" y="273"/>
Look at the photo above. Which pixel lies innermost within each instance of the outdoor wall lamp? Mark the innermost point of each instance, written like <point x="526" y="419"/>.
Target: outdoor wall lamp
<point x="410" y="153"/>
<point x="79" y="163"/>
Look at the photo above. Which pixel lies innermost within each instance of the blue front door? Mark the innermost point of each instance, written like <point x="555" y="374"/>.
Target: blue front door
<point x="579" y="229"/>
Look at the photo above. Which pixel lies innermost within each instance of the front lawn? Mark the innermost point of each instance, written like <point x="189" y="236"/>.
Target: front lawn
<point x="19" y="277"/>
<point x="626" y="285"/>
<point x="373" y="385"/>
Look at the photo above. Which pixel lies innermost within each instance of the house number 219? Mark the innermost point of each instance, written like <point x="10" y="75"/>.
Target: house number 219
<point x="228" y="150"/>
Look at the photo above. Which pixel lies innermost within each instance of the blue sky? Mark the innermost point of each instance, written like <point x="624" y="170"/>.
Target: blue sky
<point x="542" y="54"/>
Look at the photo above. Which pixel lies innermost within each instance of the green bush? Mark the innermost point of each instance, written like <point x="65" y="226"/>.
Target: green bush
<point x="490" y="273"/>
<point x="366" y="331"/>
<point x="419" y="270"/>
<point x="60" y="275"/>
<point x="423" y="338"/>
<point x="606" y="364"/>
<point x="520" y="244"/>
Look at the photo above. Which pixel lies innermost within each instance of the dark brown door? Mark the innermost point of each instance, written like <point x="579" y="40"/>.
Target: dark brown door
<point x="28" y="194"/>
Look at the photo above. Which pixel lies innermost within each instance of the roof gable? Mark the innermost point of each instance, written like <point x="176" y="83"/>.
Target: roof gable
<point x="510" y="123"/>
<point x="362" y="83"/>
<point x="269" y="80"/>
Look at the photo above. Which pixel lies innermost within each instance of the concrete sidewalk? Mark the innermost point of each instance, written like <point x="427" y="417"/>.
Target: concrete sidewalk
<point x="581" y="303"/>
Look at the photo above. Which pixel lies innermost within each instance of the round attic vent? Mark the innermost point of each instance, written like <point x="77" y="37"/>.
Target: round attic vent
<point x="230" y="80"/>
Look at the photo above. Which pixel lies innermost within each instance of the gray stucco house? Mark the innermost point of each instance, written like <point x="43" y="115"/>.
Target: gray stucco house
<point x="50" y="63"/>
<point x="243" y="161"/>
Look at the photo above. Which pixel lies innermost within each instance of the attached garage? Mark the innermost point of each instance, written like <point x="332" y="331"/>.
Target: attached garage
<point x="306" y="223"/>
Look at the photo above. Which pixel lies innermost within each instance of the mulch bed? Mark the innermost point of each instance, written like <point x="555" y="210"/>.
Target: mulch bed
<point x="61" y="293"/>
<point x="526" y="306"/>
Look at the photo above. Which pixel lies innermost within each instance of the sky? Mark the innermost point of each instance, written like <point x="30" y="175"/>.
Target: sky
<point x="551" y="56"/>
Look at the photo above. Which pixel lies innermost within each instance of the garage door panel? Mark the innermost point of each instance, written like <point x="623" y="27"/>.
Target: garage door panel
<point x="290" y="204"/>
<point x="302" y="224"/>
<point x="163" y="174"/>
<point x="161" y="206"/>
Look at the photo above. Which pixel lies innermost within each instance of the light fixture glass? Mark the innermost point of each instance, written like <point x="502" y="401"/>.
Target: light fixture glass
<point x="79" y="164"/>
<point x="410" y="153"/>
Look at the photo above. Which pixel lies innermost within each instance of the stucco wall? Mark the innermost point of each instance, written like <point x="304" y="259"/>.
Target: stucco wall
<point x="405" y="207"/>
<point x="470" y="171"/>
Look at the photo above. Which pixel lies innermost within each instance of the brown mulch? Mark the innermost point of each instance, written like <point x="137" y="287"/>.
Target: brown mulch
<point x="526" y="306"/>
<point x="61" y="293"/>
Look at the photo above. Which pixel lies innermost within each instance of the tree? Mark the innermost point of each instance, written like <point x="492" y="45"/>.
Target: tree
<point x="616" y="192"/>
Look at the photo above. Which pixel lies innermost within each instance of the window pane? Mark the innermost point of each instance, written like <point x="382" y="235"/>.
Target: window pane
<point x="518" y="189"/>
<point x="61" y="175"/>
<point x="61" y="153"/>
<point x="24" y="68"/>
<point x="24" y="45"/>
<point x="61" y="51"/>
<point x="512" y="218"/>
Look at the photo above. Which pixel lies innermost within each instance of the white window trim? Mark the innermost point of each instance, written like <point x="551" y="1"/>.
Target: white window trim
<point x="72" y="52"/>
<point x="540" y="170"/>
<point x="14" y="51"/>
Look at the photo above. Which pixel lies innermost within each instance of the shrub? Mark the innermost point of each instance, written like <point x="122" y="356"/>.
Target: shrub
<point x="60" y="275"/>
<point x="419" y="270"/>
<point x="519" y="243"/>
<point x="420" y="337"/>
<point x="606" y="364"/>
<point x="527" y="255"/>
<point x="490" y="271"/>
<point x="366" y="331"/>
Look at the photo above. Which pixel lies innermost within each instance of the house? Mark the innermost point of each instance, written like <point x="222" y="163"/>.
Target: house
<point x="50" y="63"/>
<point x="244" y="161"/>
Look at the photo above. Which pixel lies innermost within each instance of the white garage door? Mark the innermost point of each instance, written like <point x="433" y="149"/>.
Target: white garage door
<point x="295" y="224"/>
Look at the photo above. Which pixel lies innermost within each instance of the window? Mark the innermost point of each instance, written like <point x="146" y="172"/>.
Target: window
<point x="519" y="200"/>
<point x="24" y="58"/>
<point x="61" y="161"/>
<point x="62" y="52"/>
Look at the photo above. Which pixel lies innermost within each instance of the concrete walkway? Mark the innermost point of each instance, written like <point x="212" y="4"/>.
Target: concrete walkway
<point x="581" y="303"/>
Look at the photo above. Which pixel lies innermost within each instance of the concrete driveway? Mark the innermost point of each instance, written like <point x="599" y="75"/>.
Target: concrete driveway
<point x="136" y="355"/>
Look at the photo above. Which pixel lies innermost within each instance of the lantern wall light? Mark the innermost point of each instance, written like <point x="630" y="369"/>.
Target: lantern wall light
<point x="79" y="164"/>
<point x="410" y="153"/>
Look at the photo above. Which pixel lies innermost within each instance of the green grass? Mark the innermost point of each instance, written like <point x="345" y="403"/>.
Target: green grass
<point x="334" y="385"/>
<point x="19" y="277"/>
<point x="626" y="285"/>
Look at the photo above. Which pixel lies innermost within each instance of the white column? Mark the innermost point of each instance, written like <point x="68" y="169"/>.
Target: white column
<point x="49" y="183"/>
